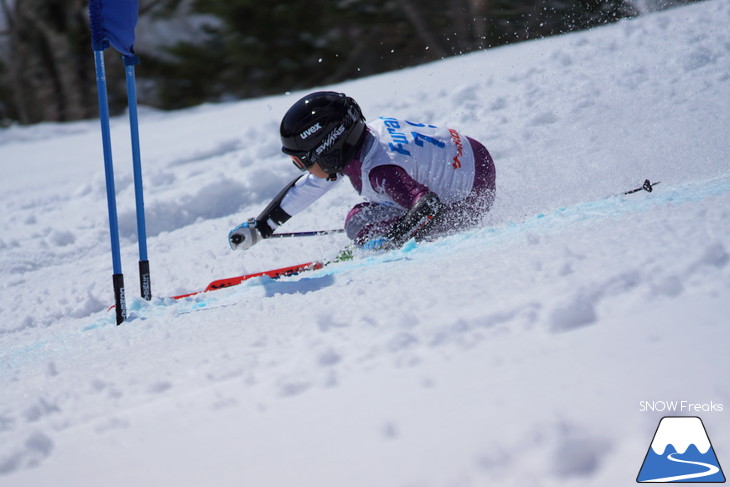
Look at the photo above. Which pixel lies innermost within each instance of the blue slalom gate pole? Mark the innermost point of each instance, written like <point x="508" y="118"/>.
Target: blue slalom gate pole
<point x="144" y="264"/>
<point x="113" y="23"/>
<point x="117" y="277"/>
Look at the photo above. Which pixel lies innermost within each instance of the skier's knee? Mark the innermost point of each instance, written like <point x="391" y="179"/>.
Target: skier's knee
<point x="367" y="220"/>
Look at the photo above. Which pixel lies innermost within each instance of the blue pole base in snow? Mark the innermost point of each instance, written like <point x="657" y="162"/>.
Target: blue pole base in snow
<point x="145" y="285"/>
<point x="120" y="304"/>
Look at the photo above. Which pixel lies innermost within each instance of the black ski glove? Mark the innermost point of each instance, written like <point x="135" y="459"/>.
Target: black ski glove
<point x="418" y="221"/>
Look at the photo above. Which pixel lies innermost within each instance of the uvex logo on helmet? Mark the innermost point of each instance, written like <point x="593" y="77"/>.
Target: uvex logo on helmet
<point x="314" y="128"/>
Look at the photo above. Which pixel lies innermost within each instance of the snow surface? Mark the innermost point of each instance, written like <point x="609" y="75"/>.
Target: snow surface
<point x="680" y="432"/>
<point x="516" y="354"/>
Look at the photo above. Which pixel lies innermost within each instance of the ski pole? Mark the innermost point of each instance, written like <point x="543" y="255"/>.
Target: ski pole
<point x="647" y="186"/>
<point x="313" y="233"/>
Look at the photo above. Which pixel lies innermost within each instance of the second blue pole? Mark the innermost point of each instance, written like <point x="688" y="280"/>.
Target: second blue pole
<point x="145" y="282"/>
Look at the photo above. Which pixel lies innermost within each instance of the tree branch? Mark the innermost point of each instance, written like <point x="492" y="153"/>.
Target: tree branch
<point x="422" y="28"/>
<point x="8" y="17"/>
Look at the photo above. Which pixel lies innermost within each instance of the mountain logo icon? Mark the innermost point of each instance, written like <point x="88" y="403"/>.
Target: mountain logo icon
<point x="681" y="452"/>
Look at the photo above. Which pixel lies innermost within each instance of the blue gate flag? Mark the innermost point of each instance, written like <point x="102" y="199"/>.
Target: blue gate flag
<point x="113" y="22"/>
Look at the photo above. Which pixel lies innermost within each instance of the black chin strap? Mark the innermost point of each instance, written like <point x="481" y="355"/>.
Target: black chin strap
<point x="332" y="177"/>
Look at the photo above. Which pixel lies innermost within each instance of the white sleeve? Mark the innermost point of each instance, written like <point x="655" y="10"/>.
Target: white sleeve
<point x="305" y="192"/>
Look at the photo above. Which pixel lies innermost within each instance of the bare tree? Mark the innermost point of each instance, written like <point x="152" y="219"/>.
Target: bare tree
<point x="421" y="27"/>
<point x="479" y="10"/>
<point x="51" y="73"/>
<point x="467" y="29"/>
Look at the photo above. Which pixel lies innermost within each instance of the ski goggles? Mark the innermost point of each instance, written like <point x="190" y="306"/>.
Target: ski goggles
<point x="302" y="161"/>
<point x="305" y="160"/>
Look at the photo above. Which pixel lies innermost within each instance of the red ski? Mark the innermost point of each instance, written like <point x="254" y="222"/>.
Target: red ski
<point x="234" y="281"/>
<point x="274" y="274"/>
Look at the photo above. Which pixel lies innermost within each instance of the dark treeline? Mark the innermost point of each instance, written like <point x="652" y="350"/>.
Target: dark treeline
<point x="254" y="47"/>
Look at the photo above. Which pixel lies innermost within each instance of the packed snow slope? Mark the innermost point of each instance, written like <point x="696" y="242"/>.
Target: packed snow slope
<point x="525" y="352"/>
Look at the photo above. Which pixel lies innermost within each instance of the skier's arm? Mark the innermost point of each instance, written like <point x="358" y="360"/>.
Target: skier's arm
<point x="274" y="215"/>
<point x="305" y="192"/>
<point x="395" y="182"/>
<point x="293" y="198"/>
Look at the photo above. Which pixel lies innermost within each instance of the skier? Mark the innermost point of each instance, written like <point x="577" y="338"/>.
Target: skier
<point x="417" y="179"/>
